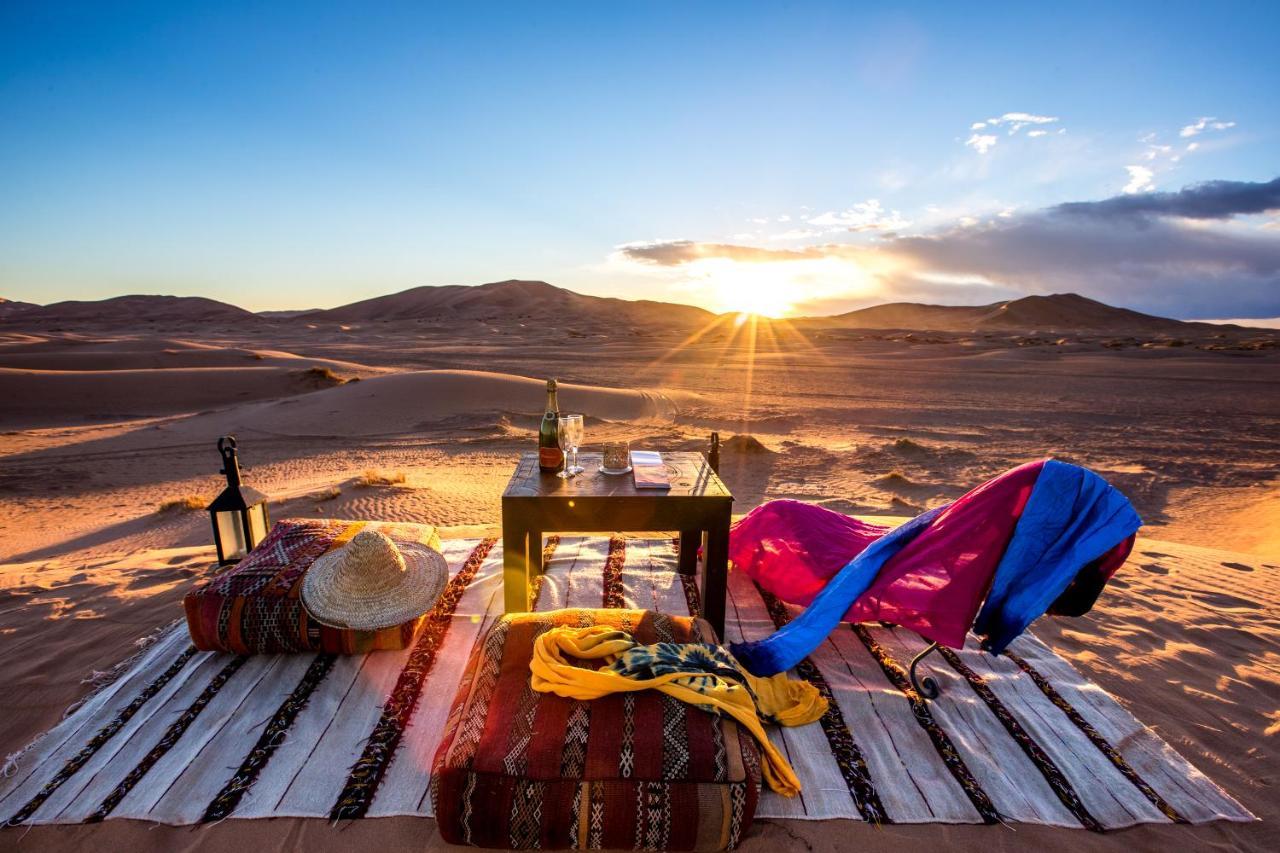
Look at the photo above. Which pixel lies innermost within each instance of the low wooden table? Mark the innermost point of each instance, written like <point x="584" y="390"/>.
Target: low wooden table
<point x="698" y="504"/>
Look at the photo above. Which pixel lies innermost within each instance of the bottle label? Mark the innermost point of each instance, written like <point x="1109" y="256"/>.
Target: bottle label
<point x="550" y="457"/>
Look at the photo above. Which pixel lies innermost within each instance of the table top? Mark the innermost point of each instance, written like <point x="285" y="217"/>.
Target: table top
<point x="689" y="473"/>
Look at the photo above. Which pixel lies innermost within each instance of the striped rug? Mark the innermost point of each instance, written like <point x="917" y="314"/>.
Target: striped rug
<point x="186" y="737"/>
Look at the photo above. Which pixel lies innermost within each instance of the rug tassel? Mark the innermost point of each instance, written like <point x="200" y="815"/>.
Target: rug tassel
<point x="102" y="679"/>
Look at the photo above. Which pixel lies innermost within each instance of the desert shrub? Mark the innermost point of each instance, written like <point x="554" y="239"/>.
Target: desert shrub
<point x="322" y="376"/>
<point x="374" y="477"/>
<point x="326" y="494"/>
<point x="186" y="503"/>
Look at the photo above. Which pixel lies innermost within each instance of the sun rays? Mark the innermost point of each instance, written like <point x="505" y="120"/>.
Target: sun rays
<point x="732" y="344"/>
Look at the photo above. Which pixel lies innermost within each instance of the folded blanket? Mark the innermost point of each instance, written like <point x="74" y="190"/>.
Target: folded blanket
<point x="700" y="674"/>
<point x="1044" y="536"/>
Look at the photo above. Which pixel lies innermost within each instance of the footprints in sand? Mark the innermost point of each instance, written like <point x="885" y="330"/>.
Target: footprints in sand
<point x="1154" y="568"/>
<point x="1239" y="567"/>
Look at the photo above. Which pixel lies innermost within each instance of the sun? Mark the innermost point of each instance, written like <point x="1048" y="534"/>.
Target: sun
<point x="749" y="291"/>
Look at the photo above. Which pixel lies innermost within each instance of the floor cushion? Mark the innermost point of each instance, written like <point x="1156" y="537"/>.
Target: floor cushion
<point x="255" y="606"/>
<point x="518" y="769"/>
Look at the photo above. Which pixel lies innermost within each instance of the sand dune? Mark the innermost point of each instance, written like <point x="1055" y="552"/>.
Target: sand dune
<point x="42" y="353"/>
<point x="1060" y="311"/>
<point x="127" y="310"/>
<point x="54" y="397"/>
<point x="405" y="402"/>
<point x="510" y="302"/>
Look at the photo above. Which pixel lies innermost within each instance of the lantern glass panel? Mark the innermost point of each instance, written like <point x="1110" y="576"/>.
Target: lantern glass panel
<point x="231" y="535"/>
<point x="257" y="524"/>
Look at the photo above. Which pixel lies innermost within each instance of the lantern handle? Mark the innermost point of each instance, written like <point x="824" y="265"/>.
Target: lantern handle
<point x="230" y="464"/>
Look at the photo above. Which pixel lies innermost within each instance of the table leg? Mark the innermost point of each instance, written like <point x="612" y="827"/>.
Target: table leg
<point x="535" y="553"/>
<point x="690" y="542"/>
<point x="515" y="570"/>
<point x="715" y="575"/>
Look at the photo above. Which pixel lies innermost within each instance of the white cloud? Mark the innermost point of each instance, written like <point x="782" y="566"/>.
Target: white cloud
<point x="1192" y="146"/>
<point x="868" y="215"/>
<point x="1139" y="180"/>
<point x="1017" y="121"/>
<point x="1205" y="123"/>
<point x="981" y="142"/>
<point x="796" y="234"/>
<point x="1154" y="151"/>
<point x="784" y="218"/>
<point x="1012" y="123"/>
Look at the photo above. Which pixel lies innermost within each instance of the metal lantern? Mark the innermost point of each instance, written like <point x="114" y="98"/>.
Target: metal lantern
<point x="239" y="514"/>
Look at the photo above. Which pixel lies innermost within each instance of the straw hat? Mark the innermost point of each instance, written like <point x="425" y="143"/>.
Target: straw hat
<point x="370" y="583"/>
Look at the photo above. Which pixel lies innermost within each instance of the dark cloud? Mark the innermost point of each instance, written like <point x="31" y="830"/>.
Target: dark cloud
<point x="1209" y="200"/>
<point x="1131" y="250"/>
<point x="673" y="253"/>
<point x="1135" y="251"/>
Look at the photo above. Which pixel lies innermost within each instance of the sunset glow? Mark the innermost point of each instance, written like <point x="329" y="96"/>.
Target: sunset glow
<point x="793" y="165"/>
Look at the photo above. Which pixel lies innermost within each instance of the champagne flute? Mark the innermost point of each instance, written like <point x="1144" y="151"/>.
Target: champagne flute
<point x="570" y="434"/>
<point x="566" y="443"/>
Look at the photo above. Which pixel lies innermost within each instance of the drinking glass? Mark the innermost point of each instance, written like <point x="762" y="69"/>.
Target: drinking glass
<point x="570" y="435"/>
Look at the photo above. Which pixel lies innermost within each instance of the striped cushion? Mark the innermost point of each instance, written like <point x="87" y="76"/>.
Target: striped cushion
<point x="518" y="769"/>
<point x="255" y="607"/>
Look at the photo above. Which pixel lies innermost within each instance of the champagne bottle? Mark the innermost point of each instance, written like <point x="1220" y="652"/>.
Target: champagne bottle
<point x="550" y="456"/>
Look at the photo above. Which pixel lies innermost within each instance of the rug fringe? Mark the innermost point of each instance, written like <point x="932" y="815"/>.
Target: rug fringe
<point x="102" y="679"/>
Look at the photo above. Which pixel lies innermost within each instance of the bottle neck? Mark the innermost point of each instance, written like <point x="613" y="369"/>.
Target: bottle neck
<point x="553" y="407"/>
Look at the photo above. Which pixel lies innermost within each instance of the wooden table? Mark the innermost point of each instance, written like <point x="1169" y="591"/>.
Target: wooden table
<point x="698" y="504"/>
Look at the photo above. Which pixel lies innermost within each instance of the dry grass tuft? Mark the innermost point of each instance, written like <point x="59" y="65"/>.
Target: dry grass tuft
<point x="322" y="376"/>
<point x="374" y="477"/>
<point x="186" y="503"/>
<point x="328" y="494"/>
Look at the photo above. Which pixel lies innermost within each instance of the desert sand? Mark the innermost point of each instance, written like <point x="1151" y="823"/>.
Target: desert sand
<point x="110" y="414"/>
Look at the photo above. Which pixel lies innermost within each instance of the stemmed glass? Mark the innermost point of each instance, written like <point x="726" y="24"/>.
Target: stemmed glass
<point x="570" y="437"/>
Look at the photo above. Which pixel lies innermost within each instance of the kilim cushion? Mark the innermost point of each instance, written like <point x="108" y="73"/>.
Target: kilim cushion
<point x="255" y="607"/>
<point x="519" y="769"/>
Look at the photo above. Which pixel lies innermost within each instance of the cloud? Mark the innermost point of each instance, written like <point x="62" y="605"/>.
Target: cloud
<point x="1139" y="179"/>
<point x="868" y="215"/>
<point x="795" y="234"/>
<point x="674" y="253"/>
<point x="1208" y="200"/>
<point x="1200" y="125"/>
<point x="1133" y="250"/>
<point x="1162" y="157"/>
<point x="1012" y="123"/>
<point x="981" y="142"/>
<point x="1166" y="253"/>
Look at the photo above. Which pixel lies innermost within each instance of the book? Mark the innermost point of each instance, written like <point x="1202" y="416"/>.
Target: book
<point x="648" y="470"/>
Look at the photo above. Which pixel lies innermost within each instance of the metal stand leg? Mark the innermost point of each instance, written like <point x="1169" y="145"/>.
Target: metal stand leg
<point x="927" y="686"/>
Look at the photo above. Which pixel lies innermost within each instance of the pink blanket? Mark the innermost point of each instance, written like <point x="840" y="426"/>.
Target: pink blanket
<point x="934" y="585"/>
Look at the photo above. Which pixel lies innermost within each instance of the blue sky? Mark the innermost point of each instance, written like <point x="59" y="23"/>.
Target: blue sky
<point x="312" y="154"/>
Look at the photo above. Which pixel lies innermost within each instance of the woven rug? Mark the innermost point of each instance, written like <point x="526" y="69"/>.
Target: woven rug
<point x="185" y="736"/>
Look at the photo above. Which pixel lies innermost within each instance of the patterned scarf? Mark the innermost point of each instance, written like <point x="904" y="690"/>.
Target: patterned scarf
<point x="703" y="675"/>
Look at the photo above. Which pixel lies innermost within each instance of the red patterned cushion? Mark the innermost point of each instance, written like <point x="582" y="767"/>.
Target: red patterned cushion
<point x="519" y="769"/>
<point x="255" y="607"/>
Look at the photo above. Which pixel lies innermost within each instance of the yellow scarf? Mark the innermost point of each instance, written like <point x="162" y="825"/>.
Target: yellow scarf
<point x="693" y="673"/>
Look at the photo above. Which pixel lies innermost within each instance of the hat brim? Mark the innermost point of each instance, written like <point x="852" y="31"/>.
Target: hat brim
<point x="426" y="573"/>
